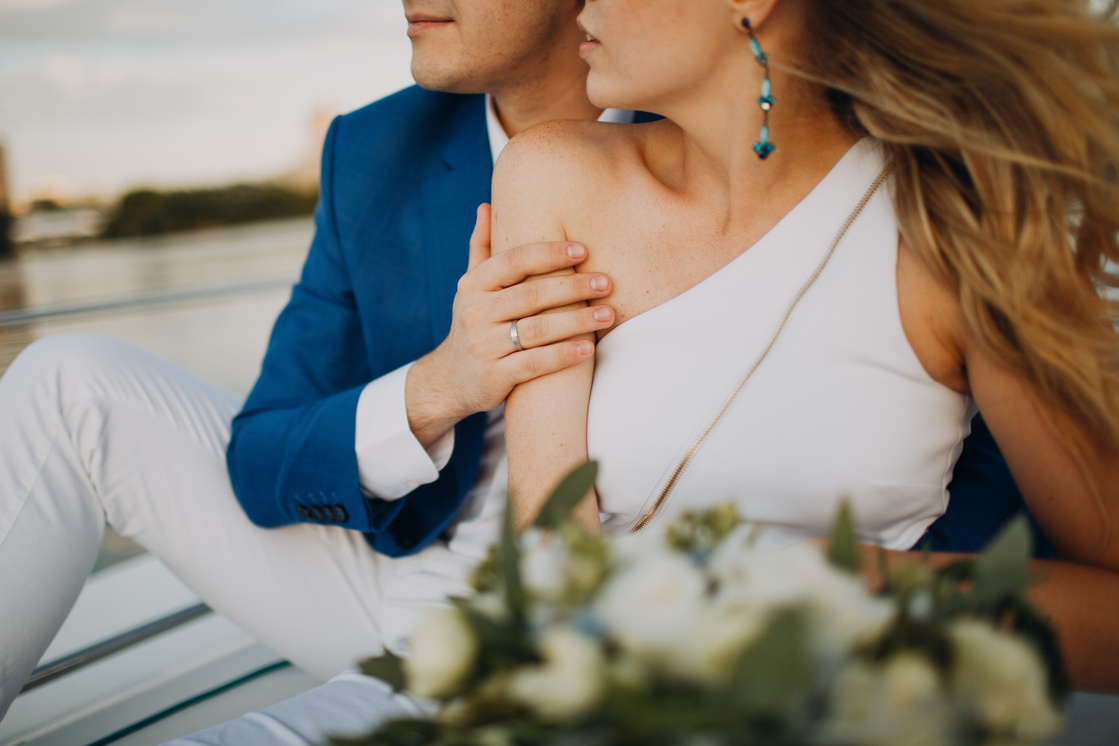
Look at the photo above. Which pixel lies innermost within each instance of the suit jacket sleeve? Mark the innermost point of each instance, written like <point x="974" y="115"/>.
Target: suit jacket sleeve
<point x="291" y="457"/>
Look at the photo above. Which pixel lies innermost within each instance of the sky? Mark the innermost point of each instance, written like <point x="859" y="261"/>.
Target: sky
<point x="99" y="96"/>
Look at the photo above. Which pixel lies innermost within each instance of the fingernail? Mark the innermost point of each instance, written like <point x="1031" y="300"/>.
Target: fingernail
<point x="598" y="282"/>
<point x="576" y="251"/>
<point x="584" y="348"/>
<point x="602" y="313"/>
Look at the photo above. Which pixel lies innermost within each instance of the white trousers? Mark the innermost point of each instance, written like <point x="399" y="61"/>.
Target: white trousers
<point x="348" y="706"/>
<point x="94" y="429"/>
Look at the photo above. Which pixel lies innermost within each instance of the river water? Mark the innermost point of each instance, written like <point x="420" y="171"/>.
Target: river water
<point x="205" y="301"/>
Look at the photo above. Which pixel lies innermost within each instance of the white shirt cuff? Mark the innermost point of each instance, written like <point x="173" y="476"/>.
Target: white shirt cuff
<point x="390" y="461"/>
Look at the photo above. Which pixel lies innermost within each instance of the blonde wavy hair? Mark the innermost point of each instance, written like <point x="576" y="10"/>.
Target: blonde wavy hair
<point x="1002" y="121"/>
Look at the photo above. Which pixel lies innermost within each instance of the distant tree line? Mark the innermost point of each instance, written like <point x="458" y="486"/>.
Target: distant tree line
<point x="147" y="212"/>
<point x="6" y="246"/>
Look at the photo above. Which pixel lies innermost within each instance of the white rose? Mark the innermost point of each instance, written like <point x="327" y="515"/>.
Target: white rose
<point x="568" y="683"/>
<point x="708" y="652"/>
<point x="441" y="653"/>
<point x="898" y="703"/>
<point x="853" y="697"/>
<point x="784" y="576"/>
<point x="910" y="681"/>
<point x="844" y="613"/>
<point x="652" y="605"/>
<point x="1003" y="678"/>
<point x="848" y="616"/>
<point x="582" y="574"/>
<point x="494" y="735"/>
<point x="543" y="557"/>
<point x="628" y="549"/>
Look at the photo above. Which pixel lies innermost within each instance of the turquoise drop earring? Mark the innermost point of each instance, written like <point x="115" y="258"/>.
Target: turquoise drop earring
<point x="763" y="147"/>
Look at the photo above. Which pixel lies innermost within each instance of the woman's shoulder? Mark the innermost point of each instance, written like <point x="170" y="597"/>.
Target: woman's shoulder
<point x="570" y="148"/>
<point x="552" y="169"/>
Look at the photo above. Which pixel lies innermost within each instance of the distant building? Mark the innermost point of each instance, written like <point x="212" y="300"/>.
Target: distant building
<point x="5" y="198"/>
<point x="57" y="226"/>
<point x="305" y="178"/>
<point x="6" y="248"/>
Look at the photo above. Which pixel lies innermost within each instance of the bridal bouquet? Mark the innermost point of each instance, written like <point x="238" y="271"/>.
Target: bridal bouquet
<point x="700" y="638"/>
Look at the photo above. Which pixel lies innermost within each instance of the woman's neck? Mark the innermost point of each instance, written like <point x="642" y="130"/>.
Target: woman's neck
<point x="715" y="161"/>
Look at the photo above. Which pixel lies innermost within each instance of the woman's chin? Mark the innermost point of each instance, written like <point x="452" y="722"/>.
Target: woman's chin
<point x="610" y="97"/>
<point x="614" y="92"/>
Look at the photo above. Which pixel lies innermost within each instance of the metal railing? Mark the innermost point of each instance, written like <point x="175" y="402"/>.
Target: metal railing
<point x="52" y="670"/>
<point x="191" y="294"/>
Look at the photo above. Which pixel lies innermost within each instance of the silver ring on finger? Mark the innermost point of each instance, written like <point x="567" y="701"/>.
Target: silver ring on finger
<point x="517" y="346"/>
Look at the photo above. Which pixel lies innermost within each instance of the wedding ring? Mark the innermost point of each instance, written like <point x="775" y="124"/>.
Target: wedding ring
<point x="515" y="337"/>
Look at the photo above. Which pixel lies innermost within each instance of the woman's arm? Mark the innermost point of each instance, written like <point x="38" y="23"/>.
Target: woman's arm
<point x="545" y="418"/>
<point x="1083" y="524"/>
<point x="1070" y="485"/>
<point x="1081" y="600"/>
<point x="1080" y="594"/>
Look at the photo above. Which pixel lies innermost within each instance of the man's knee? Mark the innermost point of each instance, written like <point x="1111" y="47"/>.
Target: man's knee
<point x="66" y="363"/>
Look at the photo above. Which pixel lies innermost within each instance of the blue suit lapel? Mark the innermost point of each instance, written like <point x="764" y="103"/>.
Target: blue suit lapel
<point x="450" y="200"/>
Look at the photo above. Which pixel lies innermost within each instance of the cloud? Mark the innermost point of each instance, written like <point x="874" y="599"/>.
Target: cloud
<point x="186" y="20"/>
<point x="24" y="5"/>
<point x="67" y="75"/>
<point x="139" y="18"/>
<point x="225" y="91"/>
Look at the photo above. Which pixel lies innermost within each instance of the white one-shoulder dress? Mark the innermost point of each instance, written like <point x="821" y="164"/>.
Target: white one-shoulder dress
<point x="840" y="408"/>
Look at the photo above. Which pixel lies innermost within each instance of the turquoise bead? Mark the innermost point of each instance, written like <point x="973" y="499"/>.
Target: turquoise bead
<point x="757" y="49"/>
<point x="764" y="136"/>
<point x="767" y="88"/>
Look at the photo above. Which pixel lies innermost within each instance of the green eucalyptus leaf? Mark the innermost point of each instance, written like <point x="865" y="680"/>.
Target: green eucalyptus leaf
<point x="663" y="715"/>
<point x="570" y="493"/>
<point x="410" y="732"/>
<point x="1031" y="625"/>
<point x="1001" y="571"/>
<point x="774" y="671"/>
<point x="888" y="581"/>
<point x="844" y="549"/>
<point x="948" y="587"/>
<point x="957" y="571"/>
<point x="388" y="668"/>
<point x="510" y="563"/>
<point x="503" y="641"/>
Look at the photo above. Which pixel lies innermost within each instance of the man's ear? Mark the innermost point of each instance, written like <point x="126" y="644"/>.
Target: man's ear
<point x="755" y="10"/>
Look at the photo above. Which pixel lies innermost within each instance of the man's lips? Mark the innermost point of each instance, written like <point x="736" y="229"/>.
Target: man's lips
<point x="420" y="22"/>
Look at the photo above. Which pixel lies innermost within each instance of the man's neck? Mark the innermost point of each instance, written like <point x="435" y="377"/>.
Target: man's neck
<point x="519" y="109"/>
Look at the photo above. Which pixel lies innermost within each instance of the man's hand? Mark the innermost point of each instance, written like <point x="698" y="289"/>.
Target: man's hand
<point x="477" y="365"/>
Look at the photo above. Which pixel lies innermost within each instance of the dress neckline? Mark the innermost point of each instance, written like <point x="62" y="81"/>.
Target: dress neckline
<point x="854" y="155"/>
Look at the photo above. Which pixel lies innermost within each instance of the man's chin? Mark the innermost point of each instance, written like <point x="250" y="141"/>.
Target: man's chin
<point x="445" y="80"/>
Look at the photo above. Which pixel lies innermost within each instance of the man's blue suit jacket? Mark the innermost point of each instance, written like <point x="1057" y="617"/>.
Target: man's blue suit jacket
<point x="401" y="180"/>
